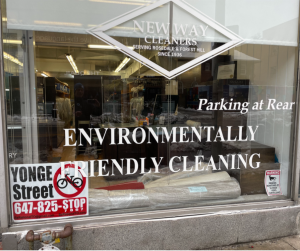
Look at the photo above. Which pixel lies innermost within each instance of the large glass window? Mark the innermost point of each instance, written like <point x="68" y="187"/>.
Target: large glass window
<point x="219" y="131"/>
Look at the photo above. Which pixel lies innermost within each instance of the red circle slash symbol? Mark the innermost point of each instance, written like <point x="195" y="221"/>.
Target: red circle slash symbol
<point x="77" y="183"/>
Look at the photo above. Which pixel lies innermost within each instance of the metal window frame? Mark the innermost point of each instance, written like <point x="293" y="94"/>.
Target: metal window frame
<point x="296" y="144"/>
<point x="5" y="216"/>
<point x="5" y="208"/>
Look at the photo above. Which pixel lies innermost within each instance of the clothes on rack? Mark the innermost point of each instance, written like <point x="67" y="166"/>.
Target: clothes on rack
<point x="64" y="109"/>
<point x="136" y="106"/>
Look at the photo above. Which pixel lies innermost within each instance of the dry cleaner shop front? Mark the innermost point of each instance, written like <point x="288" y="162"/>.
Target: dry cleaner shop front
<point x="168" y="124"/>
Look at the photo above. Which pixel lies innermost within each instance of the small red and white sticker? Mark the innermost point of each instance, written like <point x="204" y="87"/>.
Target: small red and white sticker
<point x="38" y="191"/>
<point x="272" y="182"/>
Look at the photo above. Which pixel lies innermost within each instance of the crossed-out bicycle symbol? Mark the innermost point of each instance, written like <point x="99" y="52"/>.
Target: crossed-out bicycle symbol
<point x="63" y="182"/>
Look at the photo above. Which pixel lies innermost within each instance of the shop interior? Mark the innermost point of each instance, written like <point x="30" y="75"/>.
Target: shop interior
<point x="83" y="83"/>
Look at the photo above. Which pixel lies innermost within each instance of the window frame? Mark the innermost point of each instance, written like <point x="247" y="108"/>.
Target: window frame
<point x="5" y="205"/>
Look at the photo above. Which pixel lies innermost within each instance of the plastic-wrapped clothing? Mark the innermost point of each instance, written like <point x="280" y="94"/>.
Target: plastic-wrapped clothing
<point x="190" y="180"/>
<point x="101" y="200"/>
<point x="136" y="106"/>
<point x="157" y="197"/>
<point x="192" y="171"/>
<point x="168" y="196"/>
<point x="64" y="109"/>
<point x="166" y="173"/>
<point x="148" y="177"/>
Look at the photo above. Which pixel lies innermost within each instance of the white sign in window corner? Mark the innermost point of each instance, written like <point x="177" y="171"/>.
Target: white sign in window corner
<point x="272" y="182"/>
<point x="38" y="192"/>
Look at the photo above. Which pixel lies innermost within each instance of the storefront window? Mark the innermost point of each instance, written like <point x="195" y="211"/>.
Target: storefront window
<point x="161" y="109"/>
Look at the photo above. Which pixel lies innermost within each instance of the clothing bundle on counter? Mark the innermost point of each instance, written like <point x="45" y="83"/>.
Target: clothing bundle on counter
<point x="156" y="197"/>
<point x="193" y="180"/>
<point x="165" y="174"/>
<point x="163" y="189"/>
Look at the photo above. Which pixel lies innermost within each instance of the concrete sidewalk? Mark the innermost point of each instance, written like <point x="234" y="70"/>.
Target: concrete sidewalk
<point x="286" y="243"/>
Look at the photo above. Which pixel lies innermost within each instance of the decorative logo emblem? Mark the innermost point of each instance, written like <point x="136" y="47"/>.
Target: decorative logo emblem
<point x="101" y="30"/>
